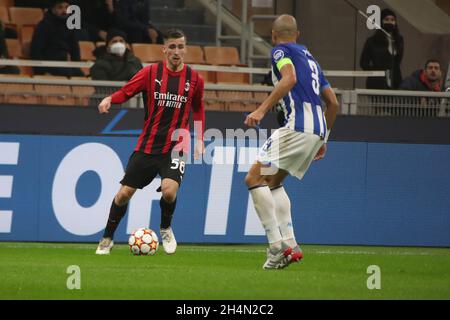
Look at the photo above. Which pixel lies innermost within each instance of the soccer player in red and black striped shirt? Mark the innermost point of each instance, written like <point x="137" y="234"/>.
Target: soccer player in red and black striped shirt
<point x="170" y="90"/>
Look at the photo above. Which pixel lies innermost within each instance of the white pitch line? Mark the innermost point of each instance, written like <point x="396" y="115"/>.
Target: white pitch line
<point x="212" y="248"/>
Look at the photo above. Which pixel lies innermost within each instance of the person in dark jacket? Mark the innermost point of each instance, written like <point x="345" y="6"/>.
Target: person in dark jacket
<point x="383" y="53"/>
<point x="52" y="40"/>
<point x="133" y="17"/>
<point x="114" y="61"/>
<point x="96" y="18"/>
<point x="4" y="54"/>
<point x="428" y="79"/>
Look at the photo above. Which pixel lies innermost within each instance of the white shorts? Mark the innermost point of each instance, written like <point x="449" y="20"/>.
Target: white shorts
<point x="289" y="150"/>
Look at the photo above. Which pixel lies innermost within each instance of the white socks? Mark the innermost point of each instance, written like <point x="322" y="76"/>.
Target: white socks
<point x="283" y="215"/>
<point x="265" y="207"/>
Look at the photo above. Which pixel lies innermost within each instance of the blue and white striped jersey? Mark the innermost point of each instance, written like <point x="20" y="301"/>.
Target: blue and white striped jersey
<point x="302" y="106"/>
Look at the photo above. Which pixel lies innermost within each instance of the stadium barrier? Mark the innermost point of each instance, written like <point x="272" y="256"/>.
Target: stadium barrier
<point x="227" y="97"/>
<point x="59" y="188"/>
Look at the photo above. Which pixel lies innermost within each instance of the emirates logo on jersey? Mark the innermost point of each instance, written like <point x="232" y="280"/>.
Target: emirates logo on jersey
<point x="169" y="100"/>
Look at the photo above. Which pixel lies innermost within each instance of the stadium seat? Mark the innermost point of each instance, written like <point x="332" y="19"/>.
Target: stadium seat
<point x="214" y="106"/>
<point x="4" y="14"/>
<point x="260" y="96"/>
<point x="26" y="71"/>
<point x="7" y="3"/>
<point x="18" y="93"/>
<point x="227" y="56"/>
<point x="210" y="94"/>
<point x="55" y="94"/>
<point x="83" y="93"/>
<point x="238" y="96"/>
<point x="21" y="16"/>
<point x="148" y="52"/>
<point x="26" y="49"/>
<point x="86" y="48"/>
<point x="26" y="32"/>
<point x="194" y="55"/>
<point x="14" y="48"/>
<point x="208" y="76"/>
<point x="232" y="78"/>
<point x="241" y="107"/>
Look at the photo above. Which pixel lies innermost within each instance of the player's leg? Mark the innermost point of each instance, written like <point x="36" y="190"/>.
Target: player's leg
<point x="284" y="217"/>
<point x="171" y="171"/>
<point x="264" y="205"/>
<point x="169" y="189"/>
<point x="140" y="171"/>
<point x="116" y="213"/>
<point x="282" y="207"/>
<point x="118" y="209"/>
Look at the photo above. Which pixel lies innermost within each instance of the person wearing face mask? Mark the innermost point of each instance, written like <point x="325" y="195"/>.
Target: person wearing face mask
<point x="115" y="62"/>
<point x="384" y="53"/>
<point x="52" y="40"/>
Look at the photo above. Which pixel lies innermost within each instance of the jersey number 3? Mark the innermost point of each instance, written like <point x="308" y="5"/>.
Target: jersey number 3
<point x="315" y="77"/>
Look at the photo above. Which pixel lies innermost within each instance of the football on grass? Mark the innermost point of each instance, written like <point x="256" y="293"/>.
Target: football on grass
<point x="143" y="241"/>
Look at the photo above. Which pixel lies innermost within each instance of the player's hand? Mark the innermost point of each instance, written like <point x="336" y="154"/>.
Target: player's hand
<point x="321" y="153"/>
<point x="199" y="149"/>
<point x="254" y="118"/>
<point x="104" y="106"/>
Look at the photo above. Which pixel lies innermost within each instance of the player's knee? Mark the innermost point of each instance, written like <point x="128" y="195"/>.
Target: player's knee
<point x="251" y="180"/>
<point x="123" y="196"/>
<point x="169" y="193"/>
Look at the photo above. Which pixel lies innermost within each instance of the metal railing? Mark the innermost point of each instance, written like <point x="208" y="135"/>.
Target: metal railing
<point x="352" y="102"/>
<point x="395" y="103"/>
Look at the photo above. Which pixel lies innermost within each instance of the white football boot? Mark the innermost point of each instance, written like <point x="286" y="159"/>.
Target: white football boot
<point x="104" y="247"/>
<point x="274" y="260"/>
<point x="168" y="240"/>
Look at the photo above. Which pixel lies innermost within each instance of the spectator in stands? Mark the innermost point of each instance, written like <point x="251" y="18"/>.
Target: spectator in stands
<point x="428" y="79"/>
<point x="384" y="53"/>
<point x="4" y="54"/>
<point x="96" y="18"/>
<point x="133" y="17"/>
<point x="52" y="40"/>
<point x="447" y="81"/>
<point x="114" y="61"/>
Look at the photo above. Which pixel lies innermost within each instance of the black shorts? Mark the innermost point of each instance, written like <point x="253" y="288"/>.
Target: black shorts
<point x="142" y="168"/>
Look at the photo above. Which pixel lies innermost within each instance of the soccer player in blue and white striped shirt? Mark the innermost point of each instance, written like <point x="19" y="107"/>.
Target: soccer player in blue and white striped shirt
<point x="300" y="87"/>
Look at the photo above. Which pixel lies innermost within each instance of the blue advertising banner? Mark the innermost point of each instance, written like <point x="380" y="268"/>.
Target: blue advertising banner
<point x="60" y="188"/>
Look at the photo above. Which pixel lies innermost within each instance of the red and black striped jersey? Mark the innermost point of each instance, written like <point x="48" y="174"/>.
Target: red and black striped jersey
<point x="168" y="98"/>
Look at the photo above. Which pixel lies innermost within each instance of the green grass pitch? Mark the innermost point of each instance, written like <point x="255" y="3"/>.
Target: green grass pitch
<point x="39" y="271"/>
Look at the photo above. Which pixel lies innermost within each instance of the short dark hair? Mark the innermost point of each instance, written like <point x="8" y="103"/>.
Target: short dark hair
<point x="432" y="61"/>
<point x="173" y="34"/>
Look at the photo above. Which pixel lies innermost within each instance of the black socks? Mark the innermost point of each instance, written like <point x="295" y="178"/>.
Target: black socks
<point x="167" y="210"/>
<point x="115" y="215"/>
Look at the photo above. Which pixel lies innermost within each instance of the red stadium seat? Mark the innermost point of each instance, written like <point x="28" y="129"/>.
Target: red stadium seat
<point x="228" y="56"/>
<point x="21" y="16"/>
<point x="194" y="55"/>
<point x="148" y="52"/>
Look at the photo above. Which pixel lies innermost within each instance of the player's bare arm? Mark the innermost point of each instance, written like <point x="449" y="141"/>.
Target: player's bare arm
<point x="287" y="82"/>
<point x="332" y="105"/>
